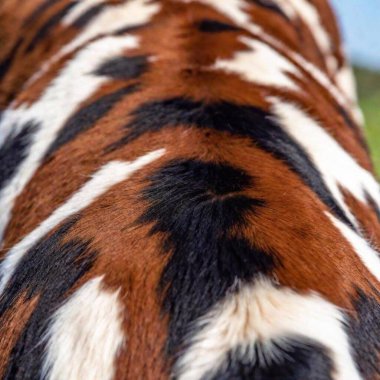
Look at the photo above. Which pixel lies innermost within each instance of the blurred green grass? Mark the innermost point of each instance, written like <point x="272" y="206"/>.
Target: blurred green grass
<point x="369" y="97"/>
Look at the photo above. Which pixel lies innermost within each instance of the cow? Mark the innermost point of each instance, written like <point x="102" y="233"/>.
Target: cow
<point x="186" y="193"/>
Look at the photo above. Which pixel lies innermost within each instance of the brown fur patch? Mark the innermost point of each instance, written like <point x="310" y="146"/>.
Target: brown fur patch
<point x="11" y="325"/>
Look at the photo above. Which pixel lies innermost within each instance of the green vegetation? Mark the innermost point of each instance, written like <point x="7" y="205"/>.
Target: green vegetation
<point x="369" y="96"/>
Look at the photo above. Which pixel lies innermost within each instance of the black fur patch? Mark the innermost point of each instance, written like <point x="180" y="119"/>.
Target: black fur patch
<point x="47" y="271"/>
<point x="86" y="117"/>
<point x="49" y="25"/>
<point x="129" y="29"/>
<point x="272" y="6"/>
<point x="301" y="360"/>
<point x="14" y="150"/>
<point x="214" y="26"/>
<point x="89" y="15"/>
<point x="372" y="204"/>
<point x="123" y="67"/>
<point x="236" y="119"/>
<point x="196" y="204"/>
<point x="6" y="63"/>
<point x="364" y="332"/>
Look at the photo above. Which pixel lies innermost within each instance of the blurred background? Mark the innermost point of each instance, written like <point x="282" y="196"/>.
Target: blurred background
<point x="360" y="24"/>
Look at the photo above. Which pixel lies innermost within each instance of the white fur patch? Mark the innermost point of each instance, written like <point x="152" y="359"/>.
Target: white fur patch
<point x="368" y="255"/>
<point x="79" y="10"/>
<point x="233" y="9"/>
<point x="337" y="167"/>
<point x="262" y="65"/>
<point x="236" y="11"/>
<point x="346" y="82"/>
<point x="310" y="16"/>
<point x="85" y="335"/>
<point x="265" y="314"/>
<point x="287" y="8"/>
<point x="74" y="84"/>
<point x="108" y="21"/>
<point x="108" y="176"/>
<point x="111" y="19"/>
<point x="324" y="81"/>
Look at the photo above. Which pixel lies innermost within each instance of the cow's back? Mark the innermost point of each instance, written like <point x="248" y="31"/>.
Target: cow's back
<point x="185" y="192"/>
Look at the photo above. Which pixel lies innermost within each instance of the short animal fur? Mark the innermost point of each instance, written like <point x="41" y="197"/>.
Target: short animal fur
<point x="185" y="193"/>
